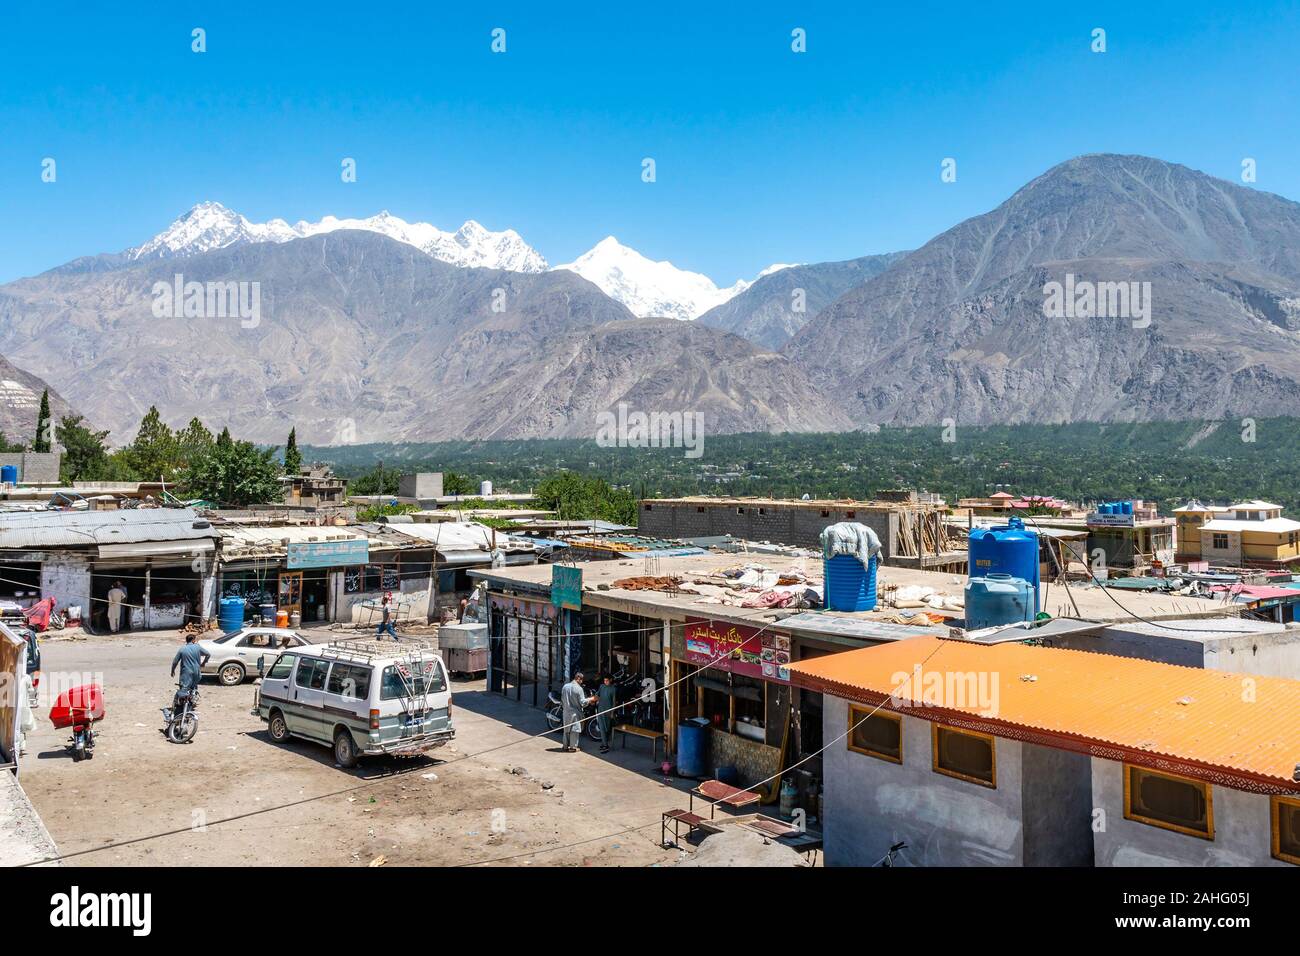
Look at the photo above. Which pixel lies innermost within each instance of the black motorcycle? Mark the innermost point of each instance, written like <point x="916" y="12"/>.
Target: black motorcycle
<point x="182" y="717"/>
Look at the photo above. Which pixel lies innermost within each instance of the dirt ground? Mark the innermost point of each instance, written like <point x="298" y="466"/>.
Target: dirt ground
<point x="233" y="797"/>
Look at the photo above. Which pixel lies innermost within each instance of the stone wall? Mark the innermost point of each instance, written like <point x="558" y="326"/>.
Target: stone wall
<point x="753" y="761"/>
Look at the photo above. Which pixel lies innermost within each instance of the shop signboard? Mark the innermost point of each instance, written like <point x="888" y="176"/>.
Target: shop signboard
<point x="738" y="649"/>
<point x="566" y="586"/>
<point x="327" y="554"/>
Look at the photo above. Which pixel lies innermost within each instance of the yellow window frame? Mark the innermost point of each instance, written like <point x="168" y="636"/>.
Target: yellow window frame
<point x="1207" y="834"/>
<point x="1275" y="812"/>
<point x="934" y="755"/>
<point x="856" y="713"/>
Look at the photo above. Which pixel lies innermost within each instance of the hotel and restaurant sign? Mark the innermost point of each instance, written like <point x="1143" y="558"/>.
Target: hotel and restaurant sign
<point x="738" y="649"/>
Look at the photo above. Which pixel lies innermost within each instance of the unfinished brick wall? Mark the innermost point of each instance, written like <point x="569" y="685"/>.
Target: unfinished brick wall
<point x="792" y="523"/>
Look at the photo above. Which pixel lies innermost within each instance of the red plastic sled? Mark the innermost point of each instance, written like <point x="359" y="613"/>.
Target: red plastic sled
<point x="78" y="705"/>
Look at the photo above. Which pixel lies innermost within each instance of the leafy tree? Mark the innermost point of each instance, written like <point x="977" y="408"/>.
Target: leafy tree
<point x="576" y="497"/>
<point x="44" y="427"/>
<point x="235" y="474"/>
<point x="292" y="457"/>
<point x="224" y="440"/>
<point x="375" y="512"/>
<point x="85" y="454"/>
<point x="455" y="484"/>
<point x="8" y="446"/>
<point x="193" y="442"/>
<point x="376" y="482"/>
<point x="154" y="454"/>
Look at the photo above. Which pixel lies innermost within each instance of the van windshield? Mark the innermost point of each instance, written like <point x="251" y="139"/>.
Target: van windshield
<point x="399" y="680"/>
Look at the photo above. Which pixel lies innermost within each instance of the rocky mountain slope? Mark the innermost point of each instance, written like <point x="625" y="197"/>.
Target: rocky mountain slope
<point x="957" y="329"/>
<point x="361" y="337"/>
<point x="20" y="403"/>
<point x="778" y="304"/>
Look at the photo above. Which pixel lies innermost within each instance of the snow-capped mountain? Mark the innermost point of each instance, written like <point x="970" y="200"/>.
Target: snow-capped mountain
<point x="210" y="225"/>
<point x="649" y="288"/>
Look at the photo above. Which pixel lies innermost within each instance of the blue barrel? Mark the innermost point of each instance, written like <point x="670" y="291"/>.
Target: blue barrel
<point x="998" y="599"/>
<point x="1006" y="549"/>
<point x="230" y="616"/>
<point x="9" y="474"/>
<point x="849" y="586"/>
<point x="692" y="749"/>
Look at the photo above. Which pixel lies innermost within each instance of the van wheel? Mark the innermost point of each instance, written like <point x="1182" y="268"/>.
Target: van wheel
<point x="345" y="749"/>
<point x="278" y="729"/>
<point x="230" y="675"/>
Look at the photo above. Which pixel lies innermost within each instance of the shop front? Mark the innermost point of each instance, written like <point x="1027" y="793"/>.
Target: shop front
<point x="527" y="654"/>
<point x="732" y="680"/>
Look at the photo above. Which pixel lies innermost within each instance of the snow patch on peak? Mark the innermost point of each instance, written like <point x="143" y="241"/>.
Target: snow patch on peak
<point x="210" y="225"/>
<point x="649" y="288"/>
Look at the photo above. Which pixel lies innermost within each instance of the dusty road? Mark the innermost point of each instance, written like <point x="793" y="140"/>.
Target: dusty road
<point x="232" y="797"/>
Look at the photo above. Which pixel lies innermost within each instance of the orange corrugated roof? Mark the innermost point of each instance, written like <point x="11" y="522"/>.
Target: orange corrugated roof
<point x="1211" y="723"/>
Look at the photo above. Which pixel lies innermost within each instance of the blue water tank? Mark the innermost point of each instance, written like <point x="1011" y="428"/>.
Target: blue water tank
<point x="230" y="617"/>
<point x="1006" y="549"/>
<point x="998" y="599"/>
<point x="9" y="474"/>
<point x="849" y="586"/>
<point x="692" y="748"/>
<point x="1126" y="507"/>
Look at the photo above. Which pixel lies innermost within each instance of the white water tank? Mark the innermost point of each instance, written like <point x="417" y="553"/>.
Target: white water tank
<point x="484" y="488"/>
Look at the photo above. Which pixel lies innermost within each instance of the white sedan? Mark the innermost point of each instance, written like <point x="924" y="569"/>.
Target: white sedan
<point x="233" y="657"/>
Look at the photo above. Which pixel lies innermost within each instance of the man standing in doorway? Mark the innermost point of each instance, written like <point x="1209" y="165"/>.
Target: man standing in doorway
<point x="116" y="598"/>
<point x="574" y="700"/>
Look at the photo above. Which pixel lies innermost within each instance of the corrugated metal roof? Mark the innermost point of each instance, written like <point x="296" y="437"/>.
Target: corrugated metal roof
<point x="1210" y="723"/>
<point x="53" y="529"/>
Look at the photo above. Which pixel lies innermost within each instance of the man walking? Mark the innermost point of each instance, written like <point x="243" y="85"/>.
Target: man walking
<point x="116" y="597"/>
<point x="574" y="700"/>
<point x="387" y="623"/>
<point x="606" y="702"/>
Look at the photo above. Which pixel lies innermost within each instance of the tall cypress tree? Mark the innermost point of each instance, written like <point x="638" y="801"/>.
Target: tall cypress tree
<point x="292" y="457"/>
<point x="44" y="426"/>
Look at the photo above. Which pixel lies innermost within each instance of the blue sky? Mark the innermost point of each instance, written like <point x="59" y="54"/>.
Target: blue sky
<point x="763" y="155"/>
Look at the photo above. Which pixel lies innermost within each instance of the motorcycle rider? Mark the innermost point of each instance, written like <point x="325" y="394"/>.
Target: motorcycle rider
<point x="190" y="659"/>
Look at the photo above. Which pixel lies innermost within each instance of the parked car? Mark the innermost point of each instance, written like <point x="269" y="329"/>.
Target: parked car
<point x="234" y="656"/>
<point x="359" y="697"/>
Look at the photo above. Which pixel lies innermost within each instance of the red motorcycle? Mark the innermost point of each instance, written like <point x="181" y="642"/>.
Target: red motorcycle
<point x="78" y="708"/>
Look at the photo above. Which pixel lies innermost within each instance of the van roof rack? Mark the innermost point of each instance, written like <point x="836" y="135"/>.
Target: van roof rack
<point x="370" y="650"/>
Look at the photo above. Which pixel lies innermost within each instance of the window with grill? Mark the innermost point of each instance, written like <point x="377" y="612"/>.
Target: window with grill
<point x="1220" y="541"/>
<point x="1174" y="803"/>
<point x="964" y="754"/>
<point x="878" y="735"/>
<point x="1286" y="829"/>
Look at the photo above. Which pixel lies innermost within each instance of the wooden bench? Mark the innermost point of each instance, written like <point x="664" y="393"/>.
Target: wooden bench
<point x="653" y="735"/>
<point x="693" y="822"/>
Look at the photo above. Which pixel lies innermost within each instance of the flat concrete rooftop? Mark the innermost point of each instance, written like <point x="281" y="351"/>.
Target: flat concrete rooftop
<point x="1094" y="603"/>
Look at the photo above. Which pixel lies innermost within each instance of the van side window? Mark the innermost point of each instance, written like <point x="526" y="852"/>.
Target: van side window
<point x="350" y="681"/>
<point x="282" y="668"/>
<point x="311" y="674"/>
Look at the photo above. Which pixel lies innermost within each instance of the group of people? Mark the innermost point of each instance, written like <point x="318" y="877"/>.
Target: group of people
<point x="574" y="698"/>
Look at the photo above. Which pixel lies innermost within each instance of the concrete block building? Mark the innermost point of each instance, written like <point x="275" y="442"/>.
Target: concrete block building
<point x="911" y="534"/>
<point x="1014" y="754"/>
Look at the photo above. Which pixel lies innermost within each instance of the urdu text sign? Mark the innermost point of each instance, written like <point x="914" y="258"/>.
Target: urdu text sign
<point x="327" y="554"/>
